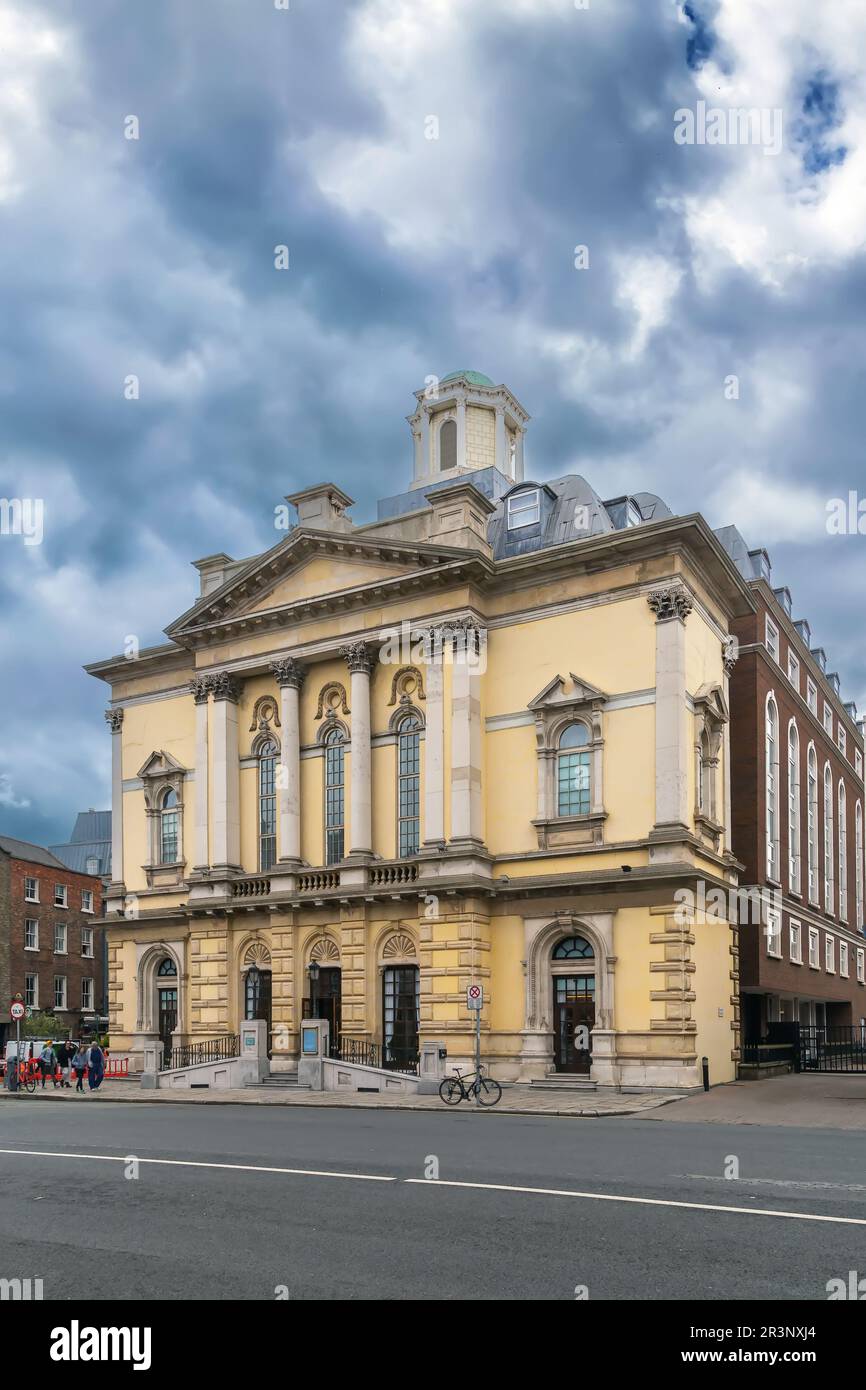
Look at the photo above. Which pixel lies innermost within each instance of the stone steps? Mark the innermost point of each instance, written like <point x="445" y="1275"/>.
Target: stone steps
<point x="563" y="1083"/>
<point x="282" y="1081"/>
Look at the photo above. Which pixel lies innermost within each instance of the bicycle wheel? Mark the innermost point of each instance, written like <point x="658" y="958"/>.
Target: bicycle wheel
<point x="29" y="1082"/>
<point x="488" y="1092"/>
<point x="451" y="1091"/>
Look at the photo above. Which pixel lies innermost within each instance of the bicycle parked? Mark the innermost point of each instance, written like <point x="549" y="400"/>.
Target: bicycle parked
<point x="474" y="1086"/>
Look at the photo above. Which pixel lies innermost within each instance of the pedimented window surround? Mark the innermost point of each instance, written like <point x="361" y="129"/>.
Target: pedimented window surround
<point x="711" y="716"/>
<point x="555" y="707"/>
<point x="162" y="773"/>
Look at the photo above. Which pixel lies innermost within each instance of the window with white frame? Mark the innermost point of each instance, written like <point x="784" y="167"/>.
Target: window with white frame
<point x="774" y="934"/>
<point x="828" y="718"/>
<point x="573" y="771"/>
<point x="814" y="944"/>
<point x="87" y="941"/>
<point x="87" y="993"/>
<point x="524" y="508"/>
<point x="59" y="895"/>
<point x="830" y="954"/>
<point x="60" y="991"/>
<point x="87" y="900"/>
<point x="31" y="934"/>
<point x="31" y="991"/>
<point x="31" y="890"/>
<point x="60" y="938"/>
<point x="772" y="639"/>
<point x="772" y="779"/>
<point x="843" y="958"/>
<point x="843" y="852"/>
<point x="795" y="942"/>
<point x="843" y="740"/>
<point x="858" y="762"/>
<point x="812" y="820"/>
<point x="812" y="695"/>
<point x="793" y="671"/>
<point x="858" y="866"/>
<point x="829" y="868"/>
<point x="794" y="871"/>
<point x="861" y="965"/>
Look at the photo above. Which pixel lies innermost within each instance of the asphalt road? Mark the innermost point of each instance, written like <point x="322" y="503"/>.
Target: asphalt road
<point x="71" y="1216"/>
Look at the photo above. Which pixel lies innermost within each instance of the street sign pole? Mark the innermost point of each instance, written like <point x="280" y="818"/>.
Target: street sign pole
<point x="477" y="1047"/>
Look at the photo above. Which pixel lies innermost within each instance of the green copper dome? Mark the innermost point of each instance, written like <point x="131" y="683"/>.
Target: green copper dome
<point x="475" y="378"/>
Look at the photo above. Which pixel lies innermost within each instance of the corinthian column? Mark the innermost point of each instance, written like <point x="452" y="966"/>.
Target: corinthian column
<point x="466" y="806"/>
<point x="114" y="718"/>
<point x="672" y="606"/>
<point x="434" y="747"/>
<point x="200" y="688"/>
<point x="226" y="773"/>
<point x="290" y="677"/>
<point x="360" y="659"/>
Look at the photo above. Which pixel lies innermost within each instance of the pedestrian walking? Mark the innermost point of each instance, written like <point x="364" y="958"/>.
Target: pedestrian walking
<point x="65" y="1052"/>
<point x="79" y="1065"/>
<point x="48" y="1064"/>
<point x="96" y="1067"/>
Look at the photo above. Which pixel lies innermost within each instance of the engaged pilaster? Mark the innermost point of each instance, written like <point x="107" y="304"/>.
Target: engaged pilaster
<point x="200" y="689"/>
<point x="226" y="770"/>
<point x="290" y="677"/>
<point x="672" y="606"/>
<point x="360" y="660"/>
<point x="114" y="719"/>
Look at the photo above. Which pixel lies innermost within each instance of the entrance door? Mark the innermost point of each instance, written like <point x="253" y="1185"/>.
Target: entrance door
<point x="257" y="998"/>
<point x="329" y="1003"/>
<point x="400" y="998"/>
<point x="167" y="1020"/>
<point x="573" y="1020"/>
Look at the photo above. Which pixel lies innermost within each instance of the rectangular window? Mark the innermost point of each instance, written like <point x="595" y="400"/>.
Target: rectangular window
<point x="86" y="994"/>
<point x="408" y="789"/>
<point x="793" y="671"/>
<point x="774" y="934"/>
<point x="60" y="938"/>
<point x="31" y="890"/>
<point x="31" y="935"/>
<point x="87" y="900"/>
<point x="524" y="509"/>
<point x="843" y="741"/>
<point x="812" y="695"/>
<point x="861" y="965"/>
<point x="830" y="954"/>
<point x="828" y="718"/>
<point x="87" y="941"/>
<point x="31" y="991"/>
<point x="335" y="794"/>
<point x="843" y="958"/>
<point x="814" y="957"/>
<point x="60" y="991"/>
<point x="858" y="762"/>
<point x="772" y="636"/>
<point x="795" y="943"/>
<point x="59" y="895"/>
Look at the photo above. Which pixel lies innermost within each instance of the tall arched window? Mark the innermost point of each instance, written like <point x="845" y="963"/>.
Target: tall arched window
<point x="335" y="796"/>
<point x="573" y="772"/>
<point x="705" y="778"/>
<point x="408" y="785"/>
<point x="168" y="828"/>
<point x="828" y="839"/>
<point x="267" y="805"/>
<point x="772" y="760"/>
<point x="793" y="808"/>
<point x="812" y="813"/>
<point x="858" y="867"/>
<point x="843" y="852"/>
<point x="448" y="445"/>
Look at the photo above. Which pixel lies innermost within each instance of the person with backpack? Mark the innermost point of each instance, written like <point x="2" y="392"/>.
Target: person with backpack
<point x="65" y="1052"/>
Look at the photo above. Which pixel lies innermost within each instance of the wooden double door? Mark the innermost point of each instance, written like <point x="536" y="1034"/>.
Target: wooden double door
<point x="573" y="1022"/>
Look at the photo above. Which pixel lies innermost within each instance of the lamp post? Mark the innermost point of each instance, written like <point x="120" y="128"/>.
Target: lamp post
<point x="314" y="980"/>
<point x="254" y="980"/>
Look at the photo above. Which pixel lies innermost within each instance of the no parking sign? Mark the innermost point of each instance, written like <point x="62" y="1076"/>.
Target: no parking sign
<point x="475" y="997"/>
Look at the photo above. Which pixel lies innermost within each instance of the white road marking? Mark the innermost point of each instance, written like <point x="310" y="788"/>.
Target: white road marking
<point x="779" y="1182"/>
<point x="640" y="1201"/>
<point x="191" y="1163"/>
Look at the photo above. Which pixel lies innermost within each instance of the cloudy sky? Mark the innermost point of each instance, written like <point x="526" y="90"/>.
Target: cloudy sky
<point x="309" y="127"/>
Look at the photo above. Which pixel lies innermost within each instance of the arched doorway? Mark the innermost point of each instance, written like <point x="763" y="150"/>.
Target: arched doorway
<point x="326" y="990"/>
<point x="166" y="1004"/>
<point x="257" y="986"/>
<point x="572" y="965"/>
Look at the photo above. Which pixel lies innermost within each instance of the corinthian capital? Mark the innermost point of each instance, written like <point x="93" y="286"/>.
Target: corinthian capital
<point x="671" y="602"/>
<point x="114" y="718"/>
<point x="200" y="689"/>
<point x="358" y="657"/>
<point x="224" y="686"/>
<point x="288" y="671"/>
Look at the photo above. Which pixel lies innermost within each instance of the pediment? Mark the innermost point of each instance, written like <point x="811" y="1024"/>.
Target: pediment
<point x="575" y="691"/>
<point x="160" y="764"/>
<point x="322" y="575"/>
<point x="711" y="699"/>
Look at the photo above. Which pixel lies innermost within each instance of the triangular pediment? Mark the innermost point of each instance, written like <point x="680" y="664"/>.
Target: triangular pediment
<point x="574" y="691"/>
<point x="711" y="697"/>
<point x="160" y="764"/>
<point x="323" y="574"/>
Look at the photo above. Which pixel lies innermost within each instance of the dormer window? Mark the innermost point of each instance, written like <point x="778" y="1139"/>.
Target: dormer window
<point x="524" y="509"/>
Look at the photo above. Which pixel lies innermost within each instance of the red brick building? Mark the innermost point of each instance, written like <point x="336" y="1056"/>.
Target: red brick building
<point x="50" y="950"/>
<point x="797" y="811"/>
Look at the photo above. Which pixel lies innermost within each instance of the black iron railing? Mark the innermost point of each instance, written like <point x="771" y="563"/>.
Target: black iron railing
<point x="835" y="1048"/>
<point x="210" y="1050"/>
<point x="369" y="1054"/>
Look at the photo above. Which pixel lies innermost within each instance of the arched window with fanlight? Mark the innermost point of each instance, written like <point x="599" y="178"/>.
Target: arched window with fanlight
<point x="573" y="948"/>
<point x="335" y="796"/>
<point x="858" y="866"/>
<point x="772" y="786"/>
<point x="169" y="822"/>
<point x="793" y="807"/>
<point x="829" y="867"/>
<point x="408" y="785"/>
<point x="812" y="816"/>
<point x="573" y="776"/>
<point x="267" y="758"/>
<point x="843" y="852"/>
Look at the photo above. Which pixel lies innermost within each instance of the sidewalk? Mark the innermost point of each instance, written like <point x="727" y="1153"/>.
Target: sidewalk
<point x="516" y="1100"/>
<point x="826" y="1101"/>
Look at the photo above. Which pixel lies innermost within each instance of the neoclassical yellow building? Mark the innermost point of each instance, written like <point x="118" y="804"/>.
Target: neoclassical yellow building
<point x="483" y="738"/>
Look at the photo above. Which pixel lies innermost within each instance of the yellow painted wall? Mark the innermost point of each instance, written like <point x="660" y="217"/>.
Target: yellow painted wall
<point x="508" y="983"/>
<point x="713" y="988"/>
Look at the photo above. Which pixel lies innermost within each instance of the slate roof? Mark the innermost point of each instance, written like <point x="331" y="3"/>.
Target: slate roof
<point x="33" y="854"/>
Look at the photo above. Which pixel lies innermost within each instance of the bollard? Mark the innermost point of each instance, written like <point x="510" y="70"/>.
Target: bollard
<point x="705" y="1069"/>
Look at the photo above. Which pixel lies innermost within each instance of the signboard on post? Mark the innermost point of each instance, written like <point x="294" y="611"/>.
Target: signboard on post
<point x="475" y="997"/>
<point x="17" y="1011"/>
